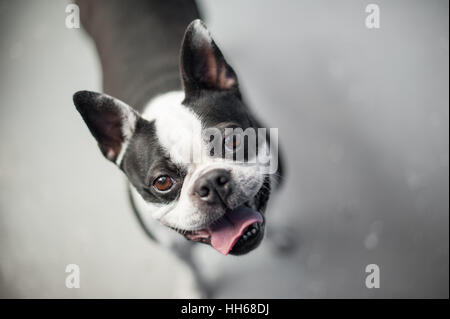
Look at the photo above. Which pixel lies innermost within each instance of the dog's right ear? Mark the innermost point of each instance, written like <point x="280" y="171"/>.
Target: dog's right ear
<point x="111" y="122"/>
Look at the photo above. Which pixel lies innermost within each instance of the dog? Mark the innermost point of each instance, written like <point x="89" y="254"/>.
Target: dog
<point x="166" y="82"/>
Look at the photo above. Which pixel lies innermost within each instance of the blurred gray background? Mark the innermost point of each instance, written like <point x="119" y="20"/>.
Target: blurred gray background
<point x="363" y="116"/>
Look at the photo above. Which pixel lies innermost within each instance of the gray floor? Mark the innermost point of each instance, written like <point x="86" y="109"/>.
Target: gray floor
<point x="363" y="116"/>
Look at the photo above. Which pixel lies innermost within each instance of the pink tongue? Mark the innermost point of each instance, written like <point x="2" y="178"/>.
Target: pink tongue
<point x="227" y="230"/>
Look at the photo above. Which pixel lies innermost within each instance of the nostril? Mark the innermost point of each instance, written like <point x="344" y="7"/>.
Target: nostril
<point x="203" y="191"/>
<point x="213" y="187"/>
<point x="222" y="180"/>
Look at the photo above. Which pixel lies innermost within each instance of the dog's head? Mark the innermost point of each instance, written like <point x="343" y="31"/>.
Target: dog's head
<point x="182" y="156"/>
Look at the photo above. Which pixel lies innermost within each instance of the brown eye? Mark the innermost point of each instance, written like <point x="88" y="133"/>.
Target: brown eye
<point x="163" y="183"/>
<point x="233" y="142"/>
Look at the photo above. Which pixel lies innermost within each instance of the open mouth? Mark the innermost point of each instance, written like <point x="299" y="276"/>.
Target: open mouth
<point x="235" y="228"/>
<point x="238" y="230"/>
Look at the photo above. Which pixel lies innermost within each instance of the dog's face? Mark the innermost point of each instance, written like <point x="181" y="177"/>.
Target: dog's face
<point x="209" y="195"/>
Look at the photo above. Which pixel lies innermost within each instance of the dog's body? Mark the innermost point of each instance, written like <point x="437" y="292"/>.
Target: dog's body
<point x="138" y="45"/>
<point x="214" y="200"/>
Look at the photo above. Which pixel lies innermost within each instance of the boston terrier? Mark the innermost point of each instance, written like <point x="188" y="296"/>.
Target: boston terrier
<point x="173" y="120"/>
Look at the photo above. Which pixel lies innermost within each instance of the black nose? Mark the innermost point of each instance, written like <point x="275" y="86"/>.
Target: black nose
<point x="214" y="186"/>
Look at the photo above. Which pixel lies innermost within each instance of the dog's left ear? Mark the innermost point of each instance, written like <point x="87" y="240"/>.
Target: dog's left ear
<point x="202" y="64"/>
<point x="111" y="121"/>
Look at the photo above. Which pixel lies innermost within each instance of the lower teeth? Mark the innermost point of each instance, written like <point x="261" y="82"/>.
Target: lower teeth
<point x="249" y="232"/>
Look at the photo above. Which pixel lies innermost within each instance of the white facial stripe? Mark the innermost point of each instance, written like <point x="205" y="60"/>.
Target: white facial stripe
<point x="178" y="129"/>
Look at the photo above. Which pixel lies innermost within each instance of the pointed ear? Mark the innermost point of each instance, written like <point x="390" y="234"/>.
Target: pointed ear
<point x="202" y="64"/>
<point x="111" y="122"/>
